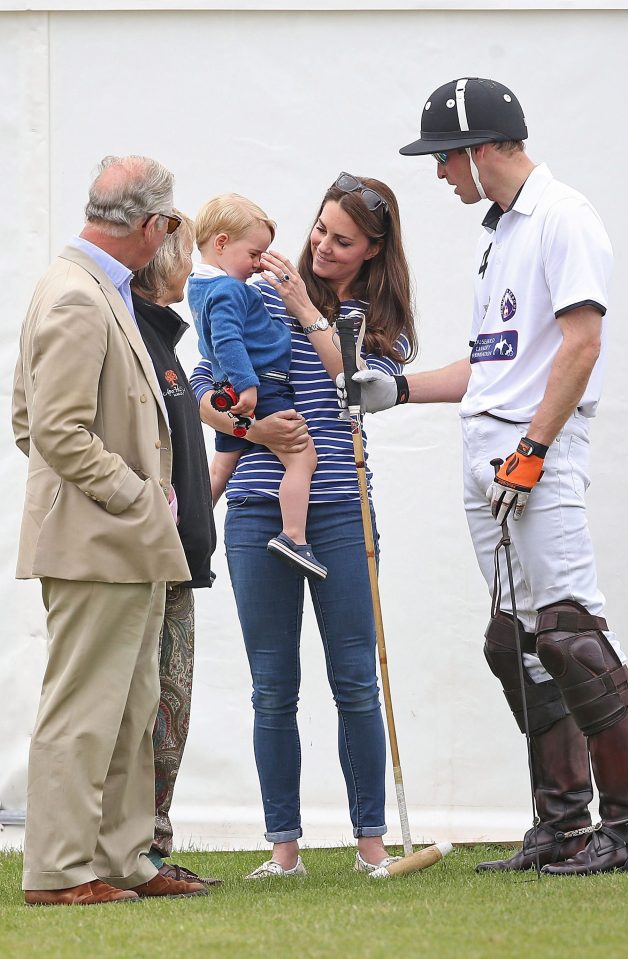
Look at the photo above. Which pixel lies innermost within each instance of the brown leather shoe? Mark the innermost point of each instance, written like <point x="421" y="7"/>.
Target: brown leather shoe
<point x="161" y="885"/>
<point x="173" y="871"/>
<point x="94" y="893"/>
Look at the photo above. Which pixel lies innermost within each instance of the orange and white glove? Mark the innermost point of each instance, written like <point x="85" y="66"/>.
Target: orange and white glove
<point x="516" y="479"/>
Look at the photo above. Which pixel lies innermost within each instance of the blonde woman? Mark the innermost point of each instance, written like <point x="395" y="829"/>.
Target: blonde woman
<point x="154" y="289"/>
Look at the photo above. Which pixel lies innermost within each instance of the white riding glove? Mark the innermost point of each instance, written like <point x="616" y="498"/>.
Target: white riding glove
<point x="379" y="391"/>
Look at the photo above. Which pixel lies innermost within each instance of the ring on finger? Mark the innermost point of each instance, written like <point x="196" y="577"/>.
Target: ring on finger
<point x="285" y="278"/>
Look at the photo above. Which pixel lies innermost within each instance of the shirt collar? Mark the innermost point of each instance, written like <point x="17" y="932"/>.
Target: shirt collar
<point x="206" y="269"/>
<point x="118" y="273"/>
<point x="525" y="199"/>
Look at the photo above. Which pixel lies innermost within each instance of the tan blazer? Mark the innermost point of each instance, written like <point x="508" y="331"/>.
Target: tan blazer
<point x="89" y="414"/>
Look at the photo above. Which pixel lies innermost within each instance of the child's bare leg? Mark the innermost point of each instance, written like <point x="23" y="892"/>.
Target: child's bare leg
<point x="220" y="470"/>
<point x="294" y="494"/>
<point x="294" y="490"/>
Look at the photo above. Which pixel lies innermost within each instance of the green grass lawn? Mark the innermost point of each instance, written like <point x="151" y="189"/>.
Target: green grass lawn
<point x="445" y="912"/>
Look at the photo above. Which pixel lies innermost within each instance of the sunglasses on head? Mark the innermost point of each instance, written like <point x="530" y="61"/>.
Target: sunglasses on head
<point x="349" y="184"/>
<point x="174" y="221"/>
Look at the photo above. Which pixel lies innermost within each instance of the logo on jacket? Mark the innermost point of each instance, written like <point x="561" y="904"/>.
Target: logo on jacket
<point x="172" y="380"/>
<point x="508" y="306"/>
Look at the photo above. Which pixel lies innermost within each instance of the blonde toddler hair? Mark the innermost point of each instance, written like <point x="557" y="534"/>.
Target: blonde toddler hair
<point x="232" y="214"/>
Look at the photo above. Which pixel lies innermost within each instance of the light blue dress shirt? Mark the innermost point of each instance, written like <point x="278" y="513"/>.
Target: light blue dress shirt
<point x="118" y="273"/>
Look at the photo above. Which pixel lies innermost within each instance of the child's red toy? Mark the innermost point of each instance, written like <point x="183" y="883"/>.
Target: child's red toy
<point x="222" y="399"/>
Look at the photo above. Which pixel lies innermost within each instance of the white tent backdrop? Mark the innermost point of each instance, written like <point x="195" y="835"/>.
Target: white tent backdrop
<point x="273" y="101"/>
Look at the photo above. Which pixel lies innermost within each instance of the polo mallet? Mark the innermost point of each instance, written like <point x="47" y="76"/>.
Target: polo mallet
<point x="413" y="861"/>
<point x="418" y="860"/>
<point x="495" y="603"/>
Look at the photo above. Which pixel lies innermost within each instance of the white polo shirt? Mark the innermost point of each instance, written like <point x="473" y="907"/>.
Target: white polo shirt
<point x="547" y="254"/>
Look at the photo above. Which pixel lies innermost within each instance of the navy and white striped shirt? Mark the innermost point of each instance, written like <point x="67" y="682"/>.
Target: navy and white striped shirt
<point x="258" y="472"/>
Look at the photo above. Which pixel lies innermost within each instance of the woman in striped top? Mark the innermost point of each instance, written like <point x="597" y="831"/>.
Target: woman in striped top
<point x="353" y="260"/>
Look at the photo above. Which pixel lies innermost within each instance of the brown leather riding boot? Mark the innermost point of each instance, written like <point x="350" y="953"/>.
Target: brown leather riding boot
<point x="562" y="793"/>
<point x="607" y="846"/>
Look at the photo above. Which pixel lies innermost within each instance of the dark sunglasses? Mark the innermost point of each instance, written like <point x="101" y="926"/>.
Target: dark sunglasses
<point x="445" y="154"/>
<point x="349" y="184"/>
<point x="174" y="221"/>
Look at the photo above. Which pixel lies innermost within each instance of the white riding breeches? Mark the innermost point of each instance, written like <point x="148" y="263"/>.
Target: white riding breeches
<point x="551" y="550"/>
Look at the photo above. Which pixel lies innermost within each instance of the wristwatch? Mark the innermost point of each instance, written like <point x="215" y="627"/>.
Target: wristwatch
<point x="319" y="324"/>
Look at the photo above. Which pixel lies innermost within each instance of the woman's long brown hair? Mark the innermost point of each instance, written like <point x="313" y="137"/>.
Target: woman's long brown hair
<point x="383" y="281"/>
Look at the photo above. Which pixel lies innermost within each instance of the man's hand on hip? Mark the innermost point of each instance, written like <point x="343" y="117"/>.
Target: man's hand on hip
<point x="516" y="479"/>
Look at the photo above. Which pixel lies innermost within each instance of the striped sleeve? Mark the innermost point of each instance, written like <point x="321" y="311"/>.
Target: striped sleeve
<point x="201" y="379"/>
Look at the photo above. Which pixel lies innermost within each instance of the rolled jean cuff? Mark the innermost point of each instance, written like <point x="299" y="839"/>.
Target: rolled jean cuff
<point x="288" y="835"/>
<point x="367" y="831"/>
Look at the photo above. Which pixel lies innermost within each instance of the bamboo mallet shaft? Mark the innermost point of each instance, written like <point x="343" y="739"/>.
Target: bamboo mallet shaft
<point x="414" y="863"/>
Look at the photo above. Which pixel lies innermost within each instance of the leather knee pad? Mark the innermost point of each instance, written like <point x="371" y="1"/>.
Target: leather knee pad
<point x="574" y="650"/>
<point x="543" y="700"/>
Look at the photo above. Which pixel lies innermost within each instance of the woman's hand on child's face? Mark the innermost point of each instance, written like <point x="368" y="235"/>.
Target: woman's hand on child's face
<point x="247" y="401"/>
<point x="284" y="277"/>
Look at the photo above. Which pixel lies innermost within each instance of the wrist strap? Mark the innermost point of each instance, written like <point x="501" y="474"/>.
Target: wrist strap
<point x="403" y="390"/>
<point x="528" y="447"/>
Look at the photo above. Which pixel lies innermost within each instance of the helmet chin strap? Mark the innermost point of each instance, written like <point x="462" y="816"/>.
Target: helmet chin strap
<point x="464" y="126"/>
<point x="476" y="176"/>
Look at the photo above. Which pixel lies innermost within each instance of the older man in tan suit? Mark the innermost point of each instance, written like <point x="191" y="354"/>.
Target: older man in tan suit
<point x="99" y="532"/>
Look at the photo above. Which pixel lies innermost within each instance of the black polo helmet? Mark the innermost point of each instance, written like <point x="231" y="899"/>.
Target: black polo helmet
<point x="465" y="113"/>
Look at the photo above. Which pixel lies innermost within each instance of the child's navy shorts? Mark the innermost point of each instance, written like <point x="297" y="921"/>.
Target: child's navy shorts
<point x="272" y="396"/>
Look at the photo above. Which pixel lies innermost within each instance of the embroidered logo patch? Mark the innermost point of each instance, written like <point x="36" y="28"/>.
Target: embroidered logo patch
<point x="495" y="346"/>
<point x="172" y="380"/>
<point x="508" y="306"/>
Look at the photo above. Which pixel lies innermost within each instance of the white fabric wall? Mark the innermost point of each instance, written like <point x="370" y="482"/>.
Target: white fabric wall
<point x="273" y="104"/>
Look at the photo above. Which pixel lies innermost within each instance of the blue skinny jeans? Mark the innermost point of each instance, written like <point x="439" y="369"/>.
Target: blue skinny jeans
<point x="269" y="597"/>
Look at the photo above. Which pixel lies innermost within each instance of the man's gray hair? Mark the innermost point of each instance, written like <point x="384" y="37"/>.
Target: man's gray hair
<point x="128" y="189"/>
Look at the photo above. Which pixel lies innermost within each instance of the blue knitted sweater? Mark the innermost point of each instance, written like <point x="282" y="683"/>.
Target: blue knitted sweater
<point x="235" y="330"/>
